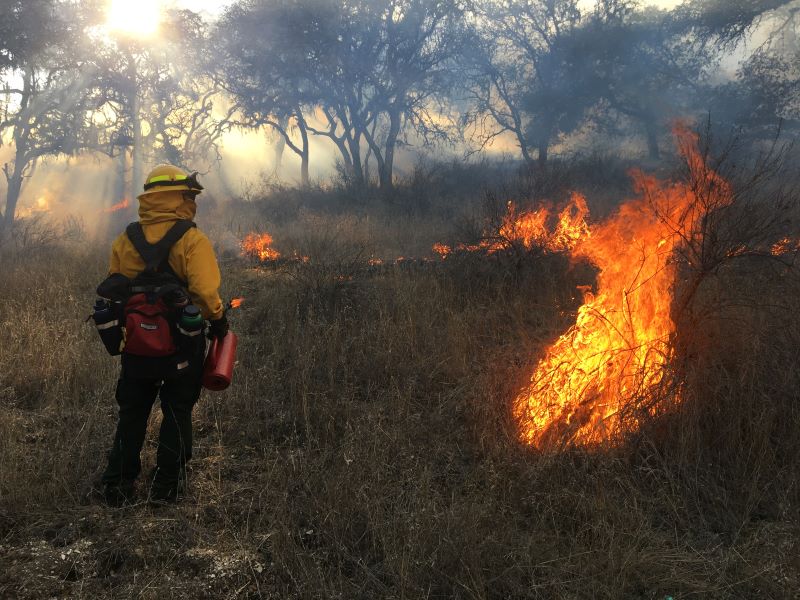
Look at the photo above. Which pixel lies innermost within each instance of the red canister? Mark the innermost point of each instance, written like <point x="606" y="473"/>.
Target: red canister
<point x="218" y="368"/>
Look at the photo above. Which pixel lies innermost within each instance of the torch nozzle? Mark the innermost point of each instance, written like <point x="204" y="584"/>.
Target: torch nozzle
<point x="234" y="303"/>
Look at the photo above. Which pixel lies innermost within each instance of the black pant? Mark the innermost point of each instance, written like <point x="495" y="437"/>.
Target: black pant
<point x="135" y="397"/>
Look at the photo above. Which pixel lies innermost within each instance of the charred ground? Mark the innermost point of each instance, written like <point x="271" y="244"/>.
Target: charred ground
<point x="367" y="448"/>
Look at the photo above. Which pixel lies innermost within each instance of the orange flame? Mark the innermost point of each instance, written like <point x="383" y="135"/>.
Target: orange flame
<point x="259" y="246"/>
<point x="531" y="229"/>
<point x="237" y="302"/>
<point x="118" y="206"/>
<point x="41" y="205"/>
<point x="785" y="246"/>
<point x="617" y="350"/>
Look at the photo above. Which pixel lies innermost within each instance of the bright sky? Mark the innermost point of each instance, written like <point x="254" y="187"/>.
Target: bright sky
<point x="215" y="7"/>
<point x="140" y="18"/>
<point x="659" y="3"/>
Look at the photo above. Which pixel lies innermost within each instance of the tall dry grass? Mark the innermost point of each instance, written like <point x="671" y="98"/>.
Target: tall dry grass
<point x="367" y="448"/>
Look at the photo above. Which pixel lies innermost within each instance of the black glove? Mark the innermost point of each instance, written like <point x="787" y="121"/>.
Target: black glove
<point x="115" y="287"/>
<point x="218" y="328"/>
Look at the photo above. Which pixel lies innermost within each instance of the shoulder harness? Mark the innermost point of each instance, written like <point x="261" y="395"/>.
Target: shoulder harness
<point x="156" y="256"/>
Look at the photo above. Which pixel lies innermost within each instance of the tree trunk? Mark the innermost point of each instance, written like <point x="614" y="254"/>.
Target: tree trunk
<point x="523" y="147"/>
<point x="374" y="150"/>
<point x="354" y="144"/>
<point x="367" y="165"/>
<point x="304" y="177"/>
<point x="387" y="168"/>
<point x="354" y="130"/>
<point x="137" y="172"/>
<point x="518" y="131"/>
<point x="301" y="150"/>
<point x="15" y="174"/>
<point x="544" y="146"/>
<point x="12" y="197"/>
<point x="345" y="153"/>
<point x="120" y="192"/>
<point x="304" y="151"/>
<point x="280" y="145"/>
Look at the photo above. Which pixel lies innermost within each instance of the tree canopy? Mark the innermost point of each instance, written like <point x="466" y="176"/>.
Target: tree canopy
<point x="370" y="78"/>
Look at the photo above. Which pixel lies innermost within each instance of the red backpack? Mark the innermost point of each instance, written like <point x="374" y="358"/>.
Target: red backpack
<point x="157" y="295"/>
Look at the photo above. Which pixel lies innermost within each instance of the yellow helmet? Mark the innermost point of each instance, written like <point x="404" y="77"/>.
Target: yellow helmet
<point x="167" y="178"/>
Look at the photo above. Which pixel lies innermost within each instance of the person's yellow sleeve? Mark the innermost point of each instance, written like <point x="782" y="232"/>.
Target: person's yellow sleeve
<point x="203" y="277"/>
<point x="114" y="262"/>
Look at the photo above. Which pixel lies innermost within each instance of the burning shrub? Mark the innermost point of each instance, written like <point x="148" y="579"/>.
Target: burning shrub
<point x="259" y="246"/>
<point x="620" y="363"/>
<point x="529" y="230"/>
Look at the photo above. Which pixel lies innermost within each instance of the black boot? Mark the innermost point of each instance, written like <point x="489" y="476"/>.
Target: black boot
<point x="163" y="495"/>
<point x="118" y="495"/>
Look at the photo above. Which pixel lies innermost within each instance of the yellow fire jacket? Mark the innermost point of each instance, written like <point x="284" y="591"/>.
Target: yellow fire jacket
<point x="192" y="257"/>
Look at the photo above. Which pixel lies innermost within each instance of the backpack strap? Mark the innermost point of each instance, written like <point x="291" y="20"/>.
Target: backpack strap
<point x="156" y="256"/>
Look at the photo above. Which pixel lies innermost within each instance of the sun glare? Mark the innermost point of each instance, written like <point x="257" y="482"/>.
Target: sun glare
<point x="136" y="18"/>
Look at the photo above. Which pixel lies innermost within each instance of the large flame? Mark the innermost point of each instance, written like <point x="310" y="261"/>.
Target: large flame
<point x="616" y="352"/>
<point x="259" y="245"/>
<point x="531" y="229"/>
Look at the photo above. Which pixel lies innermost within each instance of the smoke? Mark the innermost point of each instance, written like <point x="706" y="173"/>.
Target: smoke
<point x="88" y="184"/>
<point x="80" y="187"/>
<point x="249" y="157"/>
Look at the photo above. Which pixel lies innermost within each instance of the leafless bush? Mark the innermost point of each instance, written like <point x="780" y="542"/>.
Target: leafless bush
<point x="34" y="233"/>
<point x="331" y="258"/>
<point x="73" y="229"/>
<point x="719" y="424"/>
<point x="741" y="214"/>
<point x="42" y="232"/>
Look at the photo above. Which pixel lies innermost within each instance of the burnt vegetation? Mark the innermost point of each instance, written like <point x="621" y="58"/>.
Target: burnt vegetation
<point x="369" y="447"/>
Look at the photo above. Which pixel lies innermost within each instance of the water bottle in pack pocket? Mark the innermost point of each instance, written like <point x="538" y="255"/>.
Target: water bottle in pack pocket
<point x="106" y="318"/>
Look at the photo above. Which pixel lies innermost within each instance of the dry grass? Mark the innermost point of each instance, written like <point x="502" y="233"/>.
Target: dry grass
<point x="367" y="449"/>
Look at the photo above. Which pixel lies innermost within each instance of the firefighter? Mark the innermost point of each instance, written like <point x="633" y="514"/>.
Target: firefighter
<point x="159" y="369"/>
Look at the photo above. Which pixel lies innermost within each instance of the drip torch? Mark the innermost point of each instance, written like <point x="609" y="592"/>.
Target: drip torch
<point x="221" y="357"/>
